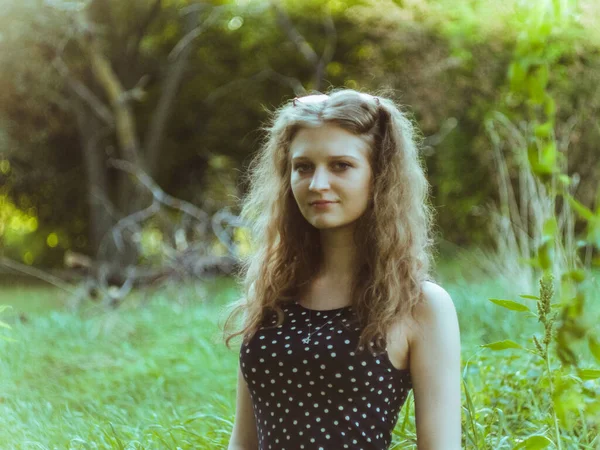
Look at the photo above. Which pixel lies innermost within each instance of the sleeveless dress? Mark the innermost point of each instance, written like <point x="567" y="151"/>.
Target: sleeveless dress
<point x="320" y="395"/>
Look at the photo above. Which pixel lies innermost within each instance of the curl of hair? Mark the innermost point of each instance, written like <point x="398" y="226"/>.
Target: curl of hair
<point x="393" y="237"/>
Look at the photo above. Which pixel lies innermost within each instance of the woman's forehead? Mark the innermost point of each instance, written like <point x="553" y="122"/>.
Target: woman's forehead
<point x="327" y="139"/>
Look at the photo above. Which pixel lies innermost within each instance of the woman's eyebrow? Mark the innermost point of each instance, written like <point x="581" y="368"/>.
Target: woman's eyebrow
<point x="298" y="158"/>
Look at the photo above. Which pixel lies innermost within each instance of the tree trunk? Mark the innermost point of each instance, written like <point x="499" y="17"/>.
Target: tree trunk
<point x="101" y="200"/>
<point x="91" y="132"/>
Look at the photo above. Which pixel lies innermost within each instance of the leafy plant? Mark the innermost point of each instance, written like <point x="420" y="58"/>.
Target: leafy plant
<point x="527" y="119"/>
<point x="528" y="102"/>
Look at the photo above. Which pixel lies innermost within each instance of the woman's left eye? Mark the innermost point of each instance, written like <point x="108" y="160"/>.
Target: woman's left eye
<point x="343" y="165"/>
<point x="302" y="168"/>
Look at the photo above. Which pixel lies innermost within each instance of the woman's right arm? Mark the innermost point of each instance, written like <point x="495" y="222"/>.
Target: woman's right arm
<point x="244" y="435"/>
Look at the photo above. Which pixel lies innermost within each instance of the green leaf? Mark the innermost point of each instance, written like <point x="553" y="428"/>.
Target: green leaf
<point x="540" y="160"/>
<point x="536" y="81"/>
<point x="516" y="76"/>
<point x="3" y="307"/>
<point x="5" y="325"/>
<point x="564" y="179"/>
<point x="502" y="345"/>
<point x="576" y="275"/>
<point x="550" y="227"/>
<point x="593" y="232"/>
<point x="530" y="297"/>
<point x="580" y="209"/>
<point x="531" y="261"/>
<point x="509" y="304"/>
<point x="549" y="155"/>
<point x="549" y="106"/>
<point x="546" y="254"/>
<point x="594" y="346"/>
<point x="544" y="130"/>
<point x="534" y="443"/>
<point x="589" y="374"/>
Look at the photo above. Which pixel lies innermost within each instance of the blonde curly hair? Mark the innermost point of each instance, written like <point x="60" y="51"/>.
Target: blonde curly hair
<point x="393" y="236"/>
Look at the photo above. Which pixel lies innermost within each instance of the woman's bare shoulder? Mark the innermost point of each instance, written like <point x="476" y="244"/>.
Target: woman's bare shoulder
<point x="436" y="307"/>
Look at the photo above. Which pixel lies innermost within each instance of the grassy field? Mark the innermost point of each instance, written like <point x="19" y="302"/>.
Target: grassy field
<point x="154" y="374"/>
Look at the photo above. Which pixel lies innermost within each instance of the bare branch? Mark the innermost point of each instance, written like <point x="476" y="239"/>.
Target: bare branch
<point x="108" y="79"/>
<point x="331" y="43"/>
<point x="196" y="32"/>
<point x="37" y="273"/>
<point x="297" y="39"/>
<point x="160" y="196"/>
<point x="127" y="222"/>
<point x="112" y="284"/>
<point x="97" y="106"/>
<point x="319" y="63"/>
<point x="154" y="137"/>
<point x="264" y="74"/>
<point x="226" y="216"/>
<point x="133" y="48"/>
<point x="180" y="55"/>
<point x="328" y="51"/>
<point x="157" y="192"/>
<point x="293" y="82"/>
<point x="137" y="92"/>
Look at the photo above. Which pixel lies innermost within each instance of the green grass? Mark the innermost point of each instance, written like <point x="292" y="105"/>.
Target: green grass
<point x="153" y="375"/>
<point x="150" y="374"/>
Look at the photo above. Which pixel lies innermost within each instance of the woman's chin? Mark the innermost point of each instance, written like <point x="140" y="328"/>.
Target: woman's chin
<point x="327" y="224"/>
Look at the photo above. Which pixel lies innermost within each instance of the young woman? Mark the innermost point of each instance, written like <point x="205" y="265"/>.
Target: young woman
<point x="341" y="318"/>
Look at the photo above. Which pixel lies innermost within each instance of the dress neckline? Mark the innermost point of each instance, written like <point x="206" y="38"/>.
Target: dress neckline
<point x="348" y="307"/>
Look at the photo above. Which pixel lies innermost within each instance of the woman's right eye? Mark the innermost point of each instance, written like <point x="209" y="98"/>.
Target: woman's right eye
<point x="300" y="167"/>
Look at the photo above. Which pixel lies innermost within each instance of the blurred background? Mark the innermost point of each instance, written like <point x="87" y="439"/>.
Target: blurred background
<point x="179" y="90"/>
<point x="125" y="131"/>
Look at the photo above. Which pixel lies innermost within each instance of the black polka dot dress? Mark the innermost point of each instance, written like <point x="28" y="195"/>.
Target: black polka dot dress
<point x="324" y="394"/>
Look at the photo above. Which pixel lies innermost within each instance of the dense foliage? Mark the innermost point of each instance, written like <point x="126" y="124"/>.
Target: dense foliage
<point x="449" y="66"/>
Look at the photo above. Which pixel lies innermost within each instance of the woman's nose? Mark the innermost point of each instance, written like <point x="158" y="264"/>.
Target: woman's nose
<point x="320" y="179"/>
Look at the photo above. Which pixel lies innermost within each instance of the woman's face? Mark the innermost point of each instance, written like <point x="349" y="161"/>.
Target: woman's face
<point x="330" y="163"/>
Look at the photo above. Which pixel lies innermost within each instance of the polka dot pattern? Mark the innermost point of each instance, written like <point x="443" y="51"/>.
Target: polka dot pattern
<point x="323" y="395"/>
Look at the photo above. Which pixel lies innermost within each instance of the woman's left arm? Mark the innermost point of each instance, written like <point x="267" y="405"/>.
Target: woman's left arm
<point x="435" y="368"/>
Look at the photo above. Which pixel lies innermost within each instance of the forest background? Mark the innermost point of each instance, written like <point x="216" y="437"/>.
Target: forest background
<point x="126" y="128"/>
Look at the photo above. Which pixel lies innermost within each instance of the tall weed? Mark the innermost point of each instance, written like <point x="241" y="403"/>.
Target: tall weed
<point x="535" y="231"/>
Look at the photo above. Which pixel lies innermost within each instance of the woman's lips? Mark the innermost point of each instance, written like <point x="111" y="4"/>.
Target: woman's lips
<point x="322" y="205"/>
